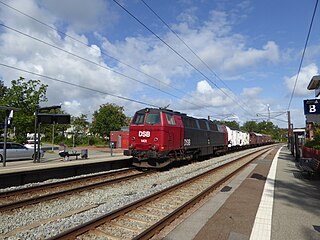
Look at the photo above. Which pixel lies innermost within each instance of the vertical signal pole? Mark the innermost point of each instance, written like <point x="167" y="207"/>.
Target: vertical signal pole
<point x="5" y="138"/>
<point x="38" y="143"/>
<point x="289" y="125"/>
<point x="35" y="135"/>
<point x="290" y="135"/>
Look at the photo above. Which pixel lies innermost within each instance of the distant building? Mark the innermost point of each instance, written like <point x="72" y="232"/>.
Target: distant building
<point x="120" y="139"/>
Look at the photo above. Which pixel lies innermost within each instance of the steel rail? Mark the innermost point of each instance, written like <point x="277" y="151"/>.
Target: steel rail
<point x="57" y="184"/>
<point x="150" y="231"/>
<point x="26" y="202"/>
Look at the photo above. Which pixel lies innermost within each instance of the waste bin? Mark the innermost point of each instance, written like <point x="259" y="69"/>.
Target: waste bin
<point x="84" y="153"/>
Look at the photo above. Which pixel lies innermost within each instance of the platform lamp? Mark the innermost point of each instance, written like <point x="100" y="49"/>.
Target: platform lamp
<point x="7" y="122"/>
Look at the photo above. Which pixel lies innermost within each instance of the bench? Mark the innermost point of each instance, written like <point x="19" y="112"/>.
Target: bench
<point x="67" y="154"/>
<point x="309" y="165"/>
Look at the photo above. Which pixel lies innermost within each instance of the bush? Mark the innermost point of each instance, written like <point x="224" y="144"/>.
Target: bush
<point x="91" y="141"/>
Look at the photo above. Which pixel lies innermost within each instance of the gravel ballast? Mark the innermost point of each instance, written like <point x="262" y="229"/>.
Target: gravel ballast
<point x="55" y="216"/>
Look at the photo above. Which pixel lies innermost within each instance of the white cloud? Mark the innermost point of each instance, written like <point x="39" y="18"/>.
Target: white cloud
<point x="226" y="51"/>
<point x="206" y="96"/>
<point x="72" y="107"/>
<point x="251" y="92"/>
<point x="81" y="15"/>
<point x="305" y="76"/>
<point x="245" y="58"/>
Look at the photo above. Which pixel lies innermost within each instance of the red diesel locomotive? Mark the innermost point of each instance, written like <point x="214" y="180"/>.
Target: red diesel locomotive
<point x="158" y="137"/>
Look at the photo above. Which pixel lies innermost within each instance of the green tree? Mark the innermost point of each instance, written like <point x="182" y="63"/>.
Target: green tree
<point x="230" y="124"/>
<point x="266" y="127"/>
<point x="25" y="95"/>
<point x="80" y="124"/>
<point x="250" y="126"/>
<point x="109" y="117"/>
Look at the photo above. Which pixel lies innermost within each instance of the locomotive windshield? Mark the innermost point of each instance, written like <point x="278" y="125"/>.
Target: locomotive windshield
<point x="153" y="118"/>
<point x="138" y="118"/>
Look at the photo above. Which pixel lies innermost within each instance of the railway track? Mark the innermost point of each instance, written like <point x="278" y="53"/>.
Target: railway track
<point x="23" y="197"/>
<point x="146" y="217"/>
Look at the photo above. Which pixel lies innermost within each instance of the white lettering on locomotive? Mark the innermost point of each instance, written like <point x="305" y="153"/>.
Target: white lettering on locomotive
<point x="187" y="142"/>
<point x="144" y="141"/>
<point x="144" y="134"/>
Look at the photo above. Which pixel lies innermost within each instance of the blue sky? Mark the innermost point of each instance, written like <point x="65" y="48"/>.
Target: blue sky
<point x="247" y="55"/>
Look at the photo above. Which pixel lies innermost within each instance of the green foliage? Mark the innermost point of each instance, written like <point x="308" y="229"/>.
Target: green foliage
<point x="91" y="141"/>
<point x="250" y="126"/>
<point x="230" y="124"/>
<point x="25" y="95"/>
<point x="315" y="143"/>
<point x="109" y="117"/>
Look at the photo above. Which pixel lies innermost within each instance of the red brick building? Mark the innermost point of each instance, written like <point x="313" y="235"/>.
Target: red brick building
<point x="120" y="139"/>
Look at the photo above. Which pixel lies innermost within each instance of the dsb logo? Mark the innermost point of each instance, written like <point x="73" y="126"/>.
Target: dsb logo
<point x="144" y="134"/>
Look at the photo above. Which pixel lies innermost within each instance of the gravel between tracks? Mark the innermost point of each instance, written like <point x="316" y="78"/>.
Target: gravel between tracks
<point x="50" y="218"/>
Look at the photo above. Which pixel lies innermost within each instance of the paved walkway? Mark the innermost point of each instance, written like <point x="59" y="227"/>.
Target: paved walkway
<point x="296" y="210"/>
<point x="53" y="157"/>
<point x="269" y="200"/>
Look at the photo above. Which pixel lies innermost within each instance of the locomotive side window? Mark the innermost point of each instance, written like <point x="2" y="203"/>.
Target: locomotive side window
<point x="213" y="127"/>
<point x="170" y="119"/>
<point x="138" y="119"/>
<point x="153" y="118"/>
<point x="203" y="125"/>
<point x="190" y="122"/>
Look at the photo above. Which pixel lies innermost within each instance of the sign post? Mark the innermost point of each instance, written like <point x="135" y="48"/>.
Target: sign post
<point x="7" y="122"/>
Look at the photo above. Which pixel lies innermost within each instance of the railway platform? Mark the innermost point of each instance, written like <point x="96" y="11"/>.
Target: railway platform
<point x="269" y="200"/>
<point x="53" y="166"/>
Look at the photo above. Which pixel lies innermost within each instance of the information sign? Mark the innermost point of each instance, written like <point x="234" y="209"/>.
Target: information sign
<point x="311" y="106"/>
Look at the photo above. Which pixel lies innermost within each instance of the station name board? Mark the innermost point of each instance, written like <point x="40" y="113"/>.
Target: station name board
<point x="311" y="106"/>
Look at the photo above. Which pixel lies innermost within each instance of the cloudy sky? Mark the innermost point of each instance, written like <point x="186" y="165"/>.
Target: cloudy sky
<point x="226" y="59"/>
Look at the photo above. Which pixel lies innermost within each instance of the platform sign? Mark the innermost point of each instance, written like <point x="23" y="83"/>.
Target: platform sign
<point x="311" y="106"/>
<point x="53" y="118"/>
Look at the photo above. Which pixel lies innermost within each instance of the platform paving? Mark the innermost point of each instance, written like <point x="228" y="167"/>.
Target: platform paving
<point x="269" y="200"/>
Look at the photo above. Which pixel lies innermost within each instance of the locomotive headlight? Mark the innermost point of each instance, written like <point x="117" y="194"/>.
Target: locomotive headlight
<point x="156" y="139"/>
<point x="133" y="138"/>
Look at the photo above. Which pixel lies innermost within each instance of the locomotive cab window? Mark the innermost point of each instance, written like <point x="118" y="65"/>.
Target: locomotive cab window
<point x="170" y="119"/>
<point x="138" y="119"/>
<point x="153" y="118"/>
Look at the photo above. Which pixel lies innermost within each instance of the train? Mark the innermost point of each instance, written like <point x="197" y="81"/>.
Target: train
<point x="158" y="137"/>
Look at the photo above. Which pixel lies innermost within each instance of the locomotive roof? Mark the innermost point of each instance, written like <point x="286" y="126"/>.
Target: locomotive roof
<point x="161" y="110"/>
<point x="171" y="111"/>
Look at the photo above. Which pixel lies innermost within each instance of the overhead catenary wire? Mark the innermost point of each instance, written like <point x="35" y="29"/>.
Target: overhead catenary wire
<point x="190" y="49"/>
<point x="102" y="52"/>
<point x="87" y="45"/>
<point x="303" y="53"/>
<point x="177" y="53"/>
<point x="77" y="85"/>
<point x="97" y="64"/>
